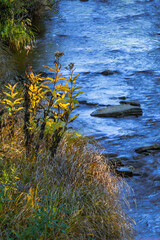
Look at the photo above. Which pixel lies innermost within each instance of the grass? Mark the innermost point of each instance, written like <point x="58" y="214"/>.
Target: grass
<point x="54" y="184"/>
<point x="71" y="196"/>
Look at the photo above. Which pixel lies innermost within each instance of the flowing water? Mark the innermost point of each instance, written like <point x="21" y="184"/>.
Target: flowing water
<point x="122" y="36"/>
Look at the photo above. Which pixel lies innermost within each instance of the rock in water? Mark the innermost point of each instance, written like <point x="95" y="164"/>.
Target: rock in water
<point x="126" y="171"/>
<point x="123" y="97"/>
<point x="108" y="72"/>
<point x="149" y="149"/>
<point x="133" y="103"/>
<point x="118" y="111"/>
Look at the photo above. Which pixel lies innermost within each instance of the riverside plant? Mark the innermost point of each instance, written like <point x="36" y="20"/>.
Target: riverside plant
<point x="53" y="185"/>
<point x="16" y="28"/>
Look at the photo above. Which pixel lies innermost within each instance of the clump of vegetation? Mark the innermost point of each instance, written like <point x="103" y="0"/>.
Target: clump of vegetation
<point x="53" y="185"/>
<point x="16" y="21"/>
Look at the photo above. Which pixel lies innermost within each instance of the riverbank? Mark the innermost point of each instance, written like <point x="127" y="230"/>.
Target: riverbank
<point x="19" y="27"/>
<point x="108" y="35"/>
<point x="131" y="52"/>
<point x="16" y="28"/>
<point x="54" y="183"/>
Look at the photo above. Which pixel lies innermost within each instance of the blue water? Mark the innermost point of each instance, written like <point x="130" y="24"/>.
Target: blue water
<point x="120" y="35"/>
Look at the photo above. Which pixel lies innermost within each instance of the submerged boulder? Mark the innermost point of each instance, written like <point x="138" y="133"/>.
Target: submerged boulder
<point x="149" y="149"/>
<point x="108" y="72"/>
<point x="123" y="98"/>
<point x="133" y="103"/>
<point x="118" y="111"/>
<point x="127" y="171"/>
<point x="91" y="104"/>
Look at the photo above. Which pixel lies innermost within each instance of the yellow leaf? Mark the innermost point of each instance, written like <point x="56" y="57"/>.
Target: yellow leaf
<point x="62" y="88"/>
<point x="51" y="69"/>
<point x="7" y="94"/>
<point x="16" y="177"/>
<point x="13" y="88"/>
<point x="18" y="109"/>
<point x="9" y="86"/>
<point x="14" y="94"/>
<point x="63" y="78"/>
<point x="50" y="79"/>
<point x="78" y="135"/>
<point x="7" y="101"/>
<point x="18" y="100"/>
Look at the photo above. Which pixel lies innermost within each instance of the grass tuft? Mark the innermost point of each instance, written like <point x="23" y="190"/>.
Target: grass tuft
<point x="54" y="184"/>
<point x="71" y="196"/>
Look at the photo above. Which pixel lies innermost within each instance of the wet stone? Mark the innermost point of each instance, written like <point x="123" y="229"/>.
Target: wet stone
<point x="92" y="104"/>
<point x="125" y="171"/>
<point x="148" y="149"/>
<point x="108" y="72"/>
<point x="132" y="103"/>
<point x="110" y="155"/>
<point x="87" y="103"/>
<point x="123" y="98"/>
<point x="118" y="111"/>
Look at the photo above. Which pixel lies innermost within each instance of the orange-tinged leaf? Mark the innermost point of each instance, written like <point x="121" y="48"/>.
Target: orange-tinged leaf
<point x="62" y="88"/>
<point x="13" y="88"/>
<point x="18" y="109"/>
<point x="49" y="78"/>
<point x="63" y="78"/>
<point x="7" y="94"/>
<point x="51" y="69"/>
<point x="7" y="101"/>
<point x="9" y="86"/>
<point x="14" y="94"/>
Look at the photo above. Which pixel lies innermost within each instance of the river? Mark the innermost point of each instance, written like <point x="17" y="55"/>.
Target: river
<point x="122" y="36"/>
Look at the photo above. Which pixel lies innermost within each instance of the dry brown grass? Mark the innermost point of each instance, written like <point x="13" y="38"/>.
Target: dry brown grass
<point x="97" y="194"/>
<point x="75" y="192"/>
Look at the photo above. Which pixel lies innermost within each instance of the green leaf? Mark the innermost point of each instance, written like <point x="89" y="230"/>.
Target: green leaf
<point x="75" y="101"/>
<point x="76" y="88"/>
<point x="1" y="207"/>
<point x="62" y="100"/>
<point x="77" y="94"/>
<point x="73" y="118"/>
